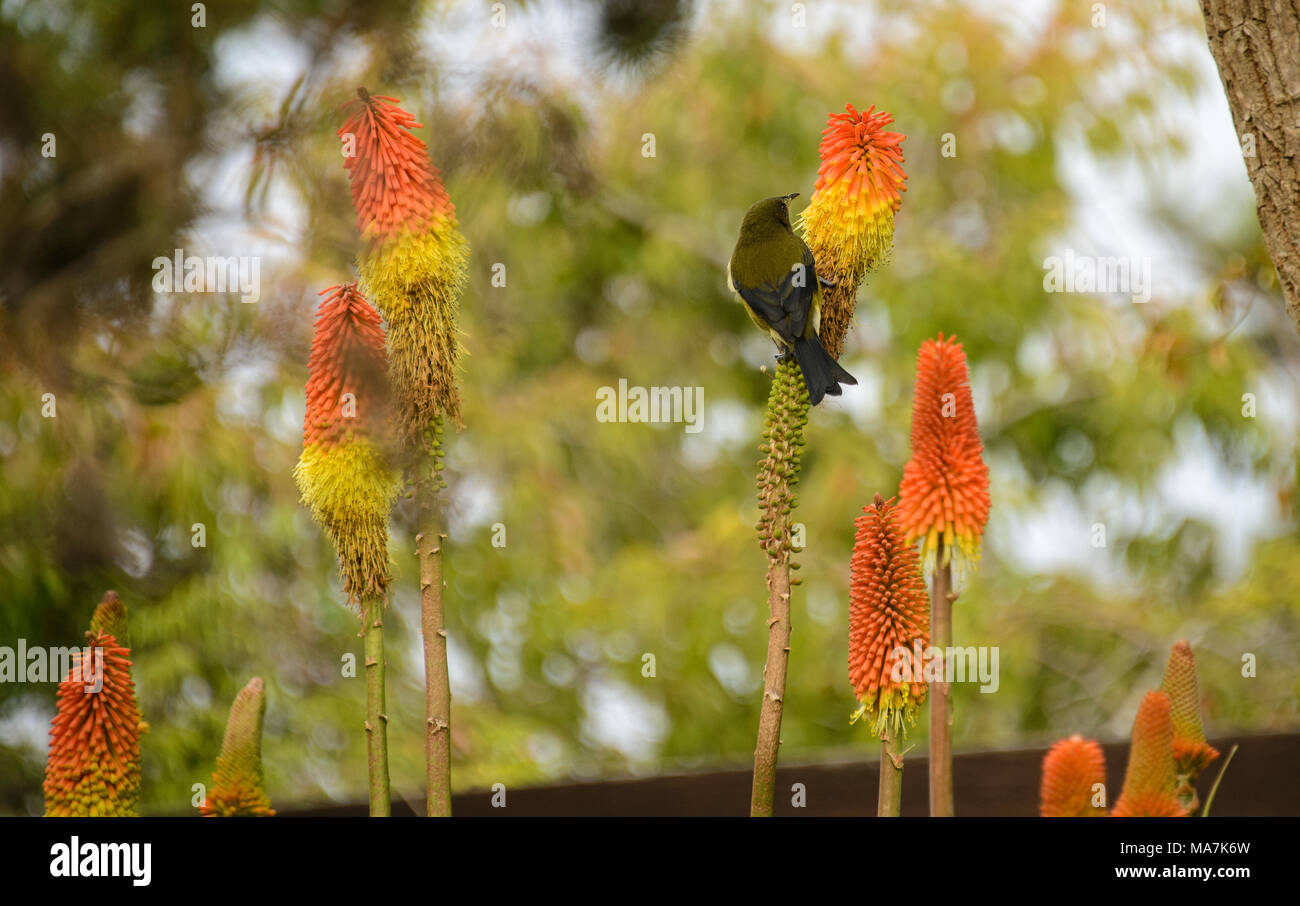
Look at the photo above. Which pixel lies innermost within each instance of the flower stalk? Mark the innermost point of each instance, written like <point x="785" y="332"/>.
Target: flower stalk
<point x="860" y="172"/>
<point x="889" y="797"/>
<point x="437" y="686"/>
<point x="372" y="620"/>
<point x="941" y="601"/>
<point x="778" y="474"/>
<point x="413" y="264"/>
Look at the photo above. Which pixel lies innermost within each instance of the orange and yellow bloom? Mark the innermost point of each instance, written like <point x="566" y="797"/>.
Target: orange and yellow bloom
<point x="850" y="218"/>
<point x="849" y="222"/>
<point x="889" y="621"/>
<point x="944" y="495"/>
<point x="413" y="261"/>
<point x="1072" y="770"/>
<point x="93" y="769"/>
<point x="344" y="472"/>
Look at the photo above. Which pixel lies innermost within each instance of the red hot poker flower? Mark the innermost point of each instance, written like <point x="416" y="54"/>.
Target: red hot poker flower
<point x="1071" y="770"/>
<point x="347" y="357"/>
<point x="850" y="219"/>
<point x="849" y="222"/>
<point x="344" y="472"/>
<point x="395" y="186"/>
<point x="413" y="266"/>
<point x="94" y="762"/>
<point x="889" y="617"/>
<point x="944" y="495"/>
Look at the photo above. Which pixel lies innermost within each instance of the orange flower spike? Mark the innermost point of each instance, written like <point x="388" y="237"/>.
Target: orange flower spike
<point x="344" y="472"/>
<point x="1149" y="782"/>
<point x="889" y="614"/>
<point x="1192" y="754"/>
<point x="1072" y="769"/>
<point x="347" y="356"/>
<point x="849" y="222"/>
<point x="944" y="495"/>
<point x="93" y="769"/>
<point x="395" y="185"/>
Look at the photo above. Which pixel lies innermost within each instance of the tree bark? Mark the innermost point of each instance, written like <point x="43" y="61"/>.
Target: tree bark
<point x="1256" y="46"/>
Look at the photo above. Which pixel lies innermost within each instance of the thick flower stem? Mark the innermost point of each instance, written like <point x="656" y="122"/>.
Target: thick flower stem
<point x="787" y="414"/>
<point x="941" y="801"/>
<point x="774" y="671"/>
<point x="372" y="615"/>
<point x="437" y="684"/>
<point x="889" y="802"/>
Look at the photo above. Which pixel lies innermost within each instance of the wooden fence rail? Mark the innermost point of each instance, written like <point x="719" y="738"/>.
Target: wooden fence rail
<point x="1262" y="781"/>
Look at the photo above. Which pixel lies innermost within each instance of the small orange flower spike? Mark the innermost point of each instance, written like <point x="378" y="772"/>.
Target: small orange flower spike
<point x="1192" y="754"/>
<point x="94" y="762"/>
<point x="1149" y="782"/>
<point x="944" y="495"/>
<point x="347" y="357"/>
<point x="889" y="618"/>
<point x="1072" y="769"/>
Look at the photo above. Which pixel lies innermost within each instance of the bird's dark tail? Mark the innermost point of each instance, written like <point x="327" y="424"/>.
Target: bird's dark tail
<point x="821" y="373"/>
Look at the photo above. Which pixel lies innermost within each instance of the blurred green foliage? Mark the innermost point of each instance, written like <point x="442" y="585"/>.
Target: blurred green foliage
<point x="621" y="540"/>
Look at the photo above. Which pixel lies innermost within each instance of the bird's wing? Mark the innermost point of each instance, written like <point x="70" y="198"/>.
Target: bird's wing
<point x="784" y="305"/>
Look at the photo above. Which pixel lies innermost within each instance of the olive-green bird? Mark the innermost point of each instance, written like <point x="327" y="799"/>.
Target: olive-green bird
<point x="773" y="274"/>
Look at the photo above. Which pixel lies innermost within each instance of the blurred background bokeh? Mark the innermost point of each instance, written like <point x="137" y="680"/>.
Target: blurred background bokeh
<point x="628" y="539"/>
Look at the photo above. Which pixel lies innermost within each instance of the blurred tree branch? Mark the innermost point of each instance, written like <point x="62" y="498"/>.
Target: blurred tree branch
<point x="1257" y="49"/>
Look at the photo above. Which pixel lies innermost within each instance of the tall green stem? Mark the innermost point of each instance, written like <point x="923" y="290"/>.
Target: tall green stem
<point x="889" y="801"/>
<point x="778" y="473"/>
<point x="941" y="798"/>
<point x="437" y="683"/>
<point x="372" y="615"/>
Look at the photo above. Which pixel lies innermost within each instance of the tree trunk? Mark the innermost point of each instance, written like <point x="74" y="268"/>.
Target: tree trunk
<point x="1256" y="46"/>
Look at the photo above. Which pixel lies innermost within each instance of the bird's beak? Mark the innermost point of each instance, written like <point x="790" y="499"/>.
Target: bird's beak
<point x="791" y="196"/>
